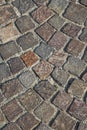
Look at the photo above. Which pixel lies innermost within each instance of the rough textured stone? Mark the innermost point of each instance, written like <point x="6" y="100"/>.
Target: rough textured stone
<point x="11" y="88"/>
<point x="4" y="71"/>
<point x="79" y="110"/>
<point x="60" y="76"/>
<point x="77" y="88"/>
<point x="82" y="126"/>
<point x="1" y="59"/>
<point x="2" y="119"/>
<point x="85" y="55"/>
<point x="75" y="47"/>
<point x="27" y="41"/>
<point x="43" y="50"/>
<point x="29" y="58"/>
<point x="63" y="122"/>
<point x="71" y="30"/>
<point x="43" y="69"/>
<point x="83" y="36"/>
<point x="75" y="66"/>
<point x="44" y="112"/>
<point x="27" y="121"/>
<point x="76" y="13"/>
<point x="11" y="126"/>
<point x="42" y="127"/>
<point x="62" y="100"/>
<point x="85" y="77"/>
<point x="58" y="58"/>
<point x="2" y="2"/>
<point x="16" y="65"/>
<point x="9" y="49"/>
<point x="41" y="2"/>
<point x="6" y="14"/>
<point x="27" y="78"/>
<point x="85" y="22"/>
<point x="8" y="33"/>
<point x="12" y="110"/>
<point x="1" y="97"/>
<point x="58" y="40"/>
<point x="30" y="100"/>
<point x="45" y="89"/>
<point x="45" y="31"/>
<point x="24" y="24"/>
<point x="23" y="5"/>
<point x="84" y="2"/>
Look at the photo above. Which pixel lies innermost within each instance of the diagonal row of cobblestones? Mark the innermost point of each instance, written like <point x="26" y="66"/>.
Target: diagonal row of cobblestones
<point x="43" y="64"/>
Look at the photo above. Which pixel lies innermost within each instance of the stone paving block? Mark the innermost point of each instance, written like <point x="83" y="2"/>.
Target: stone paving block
<point x="43" y="69"/>
<point x="3" y="120"/>
<point x="58" y="40"/>
<point x="29" y="58"/>
<point x="27" y="78"/>
<point x="42" y="127"/>
<point x="85" y="55"/>
<point x="76" y="13"/>
<point x="1" y="59"/>
<point x="75" y="47"/>
<point x="83" y="36"/>
<point x="56" y="21"/>
<point x="84" y="2"/>
<point x="58" y="6"/>
<point x="85" y="22"/>
<point x="27" y="121"/>
<point x="11" y="88"/>
<point x="44" y="50"/>
<point x="2" y="2"/>
<point x="44" y="112"/>
<point x="16" y="65"/>
<point x="75" y="66"/>
<point x="4" y="71"/>
<point x="79" y="110"/>
<point x="8" y="33"/>
<point x="9" y="49"/>
<point x="41" y="2"/>
<point x="12" y="110"/>
<point x="58" y="58"/>
<point x="6" y="14"/>
<point x="77" y="88"/>
<point x="24" y="23"/>
<point x="71" y="30"/>
<point x="62" y="100"/>
<point x="82" y="126"/>
<point x="60" y="76"/>
<point x="30" y="100"/>
<point x="45" y="31"/>
<point x="84" y="77"/>
<point x="45" y="89"/>
<point x="11" y="126"/>
<point x="41" y="14"/>
<point x="1" y="97"/>
<point x="23" y="5"/>
<point x="63" y="122"/>
<point x="27" y="41"/>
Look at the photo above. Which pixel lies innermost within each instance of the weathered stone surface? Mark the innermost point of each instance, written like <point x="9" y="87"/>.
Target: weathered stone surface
<point x="2" y="2"/>
<point x="24" y="24"/>
<point x="85" y="55"/>
<point x="43" y="69"/>
<point x="41" y="2"/>
<point x="1" y="97"/>
<point x="3" y="120"/>
<point x="85" y="77"/>
<point x="84" y="2"/>
<point x="83" y="36"/>
<point x="1" y="59"/>
<point x="82" y="126"/>
<point x="11" y="126"/>
<point x="42" y="127"/>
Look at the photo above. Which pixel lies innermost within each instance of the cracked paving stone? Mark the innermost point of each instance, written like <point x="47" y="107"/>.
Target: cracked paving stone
<point x="44" y="112"/>
<point x="45" y="31"/>
<point x="42" y="126"/>
<point x="41" y="2"/>
<point x="56" y="21"/>
<point x="27" y="78"/>
<point x="84" y="2"/>
<point x="44" y="50"/>
<point x="24" y="24"/>
<point x="62" y="100"/>
<point x="60" y="76"/>
<point x="71" y="30"/>
<point x="9" y="49"/>
<point x="23" y="5"/>
<point x="12" y="110"/>
<point x="41" y="14"/>
<point x="77" y="88"/>
<point x="8" y="32"/>
<point x="79" y="110"/>
<point x="76" y="13"/>
<point x="11" y="88"/>
<point x="3" y="120"/>
<point x="16" y="65"/>
<point x="58" y="40"/>
<point x="6" y="14"/>
<point x="11" y="126"/>
<point x="4" y="71"/>
<point x="75" y="47"/>
<point x="83" y="36"/>
<point x="43" y="69"/>
<point x="27" y="41"/>
<point x="27" y="121"/>
<point x="75" y="66"/>
<point x="30" y="100"/>
<point x="45" y="89"/>
<point x="58" y="6"/>
<point x="58" y="58"/>
<point x="82" y="126"/>
<point x="29" y="58"/>
<point x="63" y="122"/>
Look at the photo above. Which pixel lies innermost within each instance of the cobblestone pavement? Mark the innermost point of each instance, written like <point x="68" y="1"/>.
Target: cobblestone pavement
<point x="43" y="64"/>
